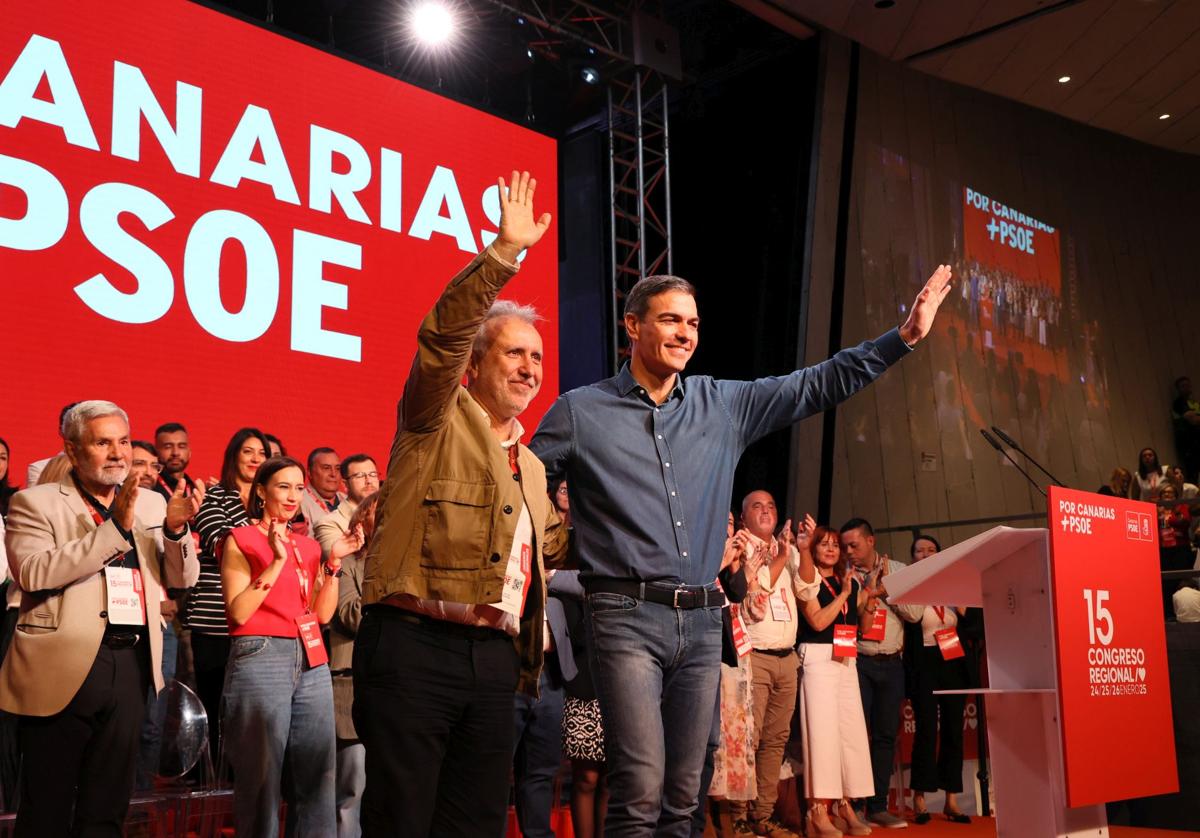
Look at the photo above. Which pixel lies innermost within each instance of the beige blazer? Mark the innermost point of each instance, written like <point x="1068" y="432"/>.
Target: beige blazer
<point x="57" y="555"/>
<point x="333" y="526"/>
<point x="342" y="630"/>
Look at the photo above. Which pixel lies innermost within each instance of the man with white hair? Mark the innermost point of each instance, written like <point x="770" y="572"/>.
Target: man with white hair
<point x="453" y="589"/>
<point x="83" y="656"/>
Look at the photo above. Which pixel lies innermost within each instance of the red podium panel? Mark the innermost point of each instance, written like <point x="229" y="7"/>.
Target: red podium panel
<point x="1113" y="688"/>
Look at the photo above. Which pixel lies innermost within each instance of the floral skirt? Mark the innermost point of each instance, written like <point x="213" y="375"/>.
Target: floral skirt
<point x="733" y="764"/>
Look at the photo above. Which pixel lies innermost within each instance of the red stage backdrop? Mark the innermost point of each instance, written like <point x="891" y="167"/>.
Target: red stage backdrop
<point x="1113" y="685"/>
<point x="210" y="223"/>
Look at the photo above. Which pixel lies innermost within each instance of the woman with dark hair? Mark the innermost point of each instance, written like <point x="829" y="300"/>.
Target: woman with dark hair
<point x="1150" y="474"/>
<point x="275" y="446"/>
<point x="6" y="490"/>
<point x="837" y="757"/>
<point x="277" y="706"/>
<point x="937" y="762"/>
<point x="224" y="507"/>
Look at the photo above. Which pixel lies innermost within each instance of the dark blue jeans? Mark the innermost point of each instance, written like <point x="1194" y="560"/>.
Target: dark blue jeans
<point x="657" y="672"/>
<point x="537" y="756"/>
<point x="882" y="686"/>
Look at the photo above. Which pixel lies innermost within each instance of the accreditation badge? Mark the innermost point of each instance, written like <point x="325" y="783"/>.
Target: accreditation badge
<point x="126" y="597"/>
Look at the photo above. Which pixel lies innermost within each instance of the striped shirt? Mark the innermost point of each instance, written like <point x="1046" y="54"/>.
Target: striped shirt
<point x="221" y="511"/>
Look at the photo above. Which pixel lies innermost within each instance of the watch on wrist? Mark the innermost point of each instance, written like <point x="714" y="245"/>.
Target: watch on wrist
<point x="329" y="571"/>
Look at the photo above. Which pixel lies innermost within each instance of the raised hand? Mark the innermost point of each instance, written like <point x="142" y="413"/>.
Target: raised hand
<point x="925" y="307"/>
<point x="518" y="228"/>
<point x="123" y="504"/>
<point x="181" y="509"/>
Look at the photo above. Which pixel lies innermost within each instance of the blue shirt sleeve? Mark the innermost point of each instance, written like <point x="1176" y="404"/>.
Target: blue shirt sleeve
<point x="760" y="407"/>
<point x="553" y="440"/>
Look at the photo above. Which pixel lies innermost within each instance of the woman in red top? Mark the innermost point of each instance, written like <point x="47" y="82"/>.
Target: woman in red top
<point x="278" y="699"/>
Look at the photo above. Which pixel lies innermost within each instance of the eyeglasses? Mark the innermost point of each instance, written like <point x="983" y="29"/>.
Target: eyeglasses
<point x="365" y="475"/>
<point x="562" y="490"/>
<point x="155" y="466"/>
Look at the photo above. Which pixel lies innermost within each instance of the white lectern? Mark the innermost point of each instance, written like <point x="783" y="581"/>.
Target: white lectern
<point x="1007" y="572"/>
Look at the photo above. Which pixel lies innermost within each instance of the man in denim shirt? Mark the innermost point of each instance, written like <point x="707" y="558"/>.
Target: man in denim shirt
<point x="649" y="461"/>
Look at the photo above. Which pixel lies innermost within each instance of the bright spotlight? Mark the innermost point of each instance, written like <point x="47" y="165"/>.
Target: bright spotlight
<point x="590" y="75"/>
<point x="432" y="23"/>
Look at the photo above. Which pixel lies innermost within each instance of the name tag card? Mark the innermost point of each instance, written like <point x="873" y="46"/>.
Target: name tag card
<point x="781" y="612"/>
<point x="878" y="629"/>
<point x="126" y="597"/>
<point x="845" y="641"/>
<point x="948" y="642"/>
<point x="310" y="636"/>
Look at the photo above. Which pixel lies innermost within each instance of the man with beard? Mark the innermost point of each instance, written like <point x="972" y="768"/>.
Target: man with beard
<point x="83" y="656"/>
<point x="174" y="452"/>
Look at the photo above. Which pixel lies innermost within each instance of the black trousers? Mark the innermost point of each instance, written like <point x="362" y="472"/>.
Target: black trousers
<point x="210" y="656"/>
<point x="938" y="767"/>
<point x="433" y="704"/>
<point x="78" y="769"/>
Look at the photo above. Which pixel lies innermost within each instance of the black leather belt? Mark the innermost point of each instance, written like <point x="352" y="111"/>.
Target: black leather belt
<point x="676" y="596"/>
<point x="775" y="653"/>
<point x="886" y="656"/>
<point x="121" y="639"/>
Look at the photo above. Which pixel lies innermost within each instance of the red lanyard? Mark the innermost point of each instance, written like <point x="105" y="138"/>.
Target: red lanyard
<point x="828" y="587"/>
<point x="187" y="490"/>
<point x="512" y="460"/>
<point x="83" y="497"/>
<point x="301" y="574"/>
<point x="327" y="506"/>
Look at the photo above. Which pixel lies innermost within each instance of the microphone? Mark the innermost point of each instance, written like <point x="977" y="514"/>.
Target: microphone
<point x="1012" y="442"/>
<point x="995" y="443"/>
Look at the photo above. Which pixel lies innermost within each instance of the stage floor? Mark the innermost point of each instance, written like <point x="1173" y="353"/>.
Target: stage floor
<point x="986" y="828"/>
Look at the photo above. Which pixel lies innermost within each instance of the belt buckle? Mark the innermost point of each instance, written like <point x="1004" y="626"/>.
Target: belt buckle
<point x="678" y="591"/>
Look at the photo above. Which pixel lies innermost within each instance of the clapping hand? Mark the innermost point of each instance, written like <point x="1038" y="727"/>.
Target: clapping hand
<point x="518" y="229"/>
<point x="122" y="507"/>
<point x="275" y="540"/>
<point x="925" y="307"/>
<point x="181" y="508"/>
<point x="804" y="531"/>
<point x="350" y="542"/>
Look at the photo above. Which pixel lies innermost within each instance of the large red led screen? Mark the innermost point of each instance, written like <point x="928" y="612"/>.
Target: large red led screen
<point x="207" y="222"/>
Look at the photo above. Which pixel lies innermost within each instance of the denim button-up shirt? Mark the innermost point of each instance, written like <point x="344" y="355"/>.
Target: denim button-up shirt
<point x="650" y="484"/>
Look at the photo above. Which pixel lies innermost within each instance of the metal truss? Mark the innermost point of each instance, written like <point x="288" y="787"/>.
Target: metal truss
<point x="639" y="176"/>
<point x="637" y="124"/>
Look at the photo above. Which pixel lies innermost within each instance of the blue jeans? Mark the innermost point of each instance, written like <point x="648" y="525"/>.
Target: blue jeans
<point x="351" y="778"/>
<point x="657" y="670"/>
<point x="156" y="713"/>
<point x="274" y="709"/>
<point x="882" y="685"/>
<point x="538" y="756"/>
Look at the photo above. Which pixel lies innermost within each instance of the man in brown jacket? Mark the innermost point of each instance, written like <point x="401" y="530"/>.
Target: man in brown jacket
<point x="453" y="588"/>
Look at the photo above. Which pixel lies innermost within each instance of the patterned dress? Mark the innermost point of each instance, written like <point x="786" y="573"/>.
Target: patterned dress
<point x="733" y="763"/>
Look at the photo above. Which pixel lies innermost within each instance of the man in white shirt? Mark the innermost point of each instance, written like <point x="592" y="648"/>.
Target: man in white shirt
<point x="1187" y="602"/>
<point x="362" y="479"/>
<point x="321" y="496"/>
<point x="773" y="618"/>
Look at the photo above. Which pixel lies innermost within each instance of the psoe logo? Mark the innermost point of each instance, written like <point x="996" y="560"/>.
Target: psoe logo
<point x="1133" y="529"/>
<point x="1147" y="526"/>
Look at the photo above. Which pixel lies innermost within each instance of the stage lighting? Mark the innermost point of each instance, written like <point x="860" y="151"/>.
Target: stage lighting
<point x="1164" y="116"/>
<point x="590" y="75"/>
<point x="432" y="23"/>
<point x="1063" y="79"/>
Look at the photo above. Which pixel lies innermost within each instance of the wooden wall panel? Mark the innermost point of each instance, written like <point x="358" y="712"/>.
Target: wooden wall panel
<point x="1127" y="216"/>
